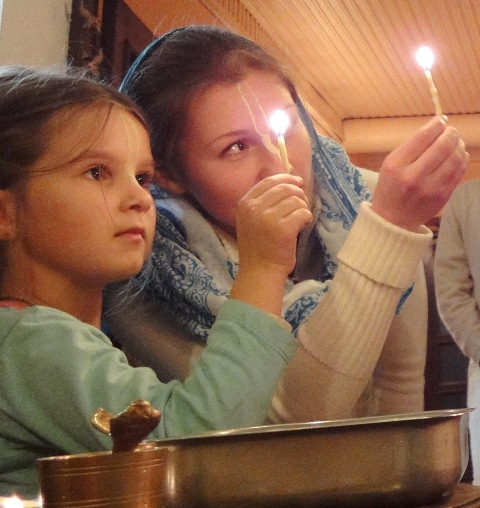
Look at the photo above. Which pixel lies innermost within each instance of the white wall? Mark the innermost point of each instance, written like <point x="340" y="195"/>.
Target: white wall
<point x="34" y="32"/>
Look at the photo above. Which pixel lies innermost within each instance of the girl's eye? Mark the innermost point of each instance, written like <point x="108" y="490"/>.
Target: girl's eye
<point x="145" y="179"/>
<point x="234" y="150"/>
<point x="96" y="173"/>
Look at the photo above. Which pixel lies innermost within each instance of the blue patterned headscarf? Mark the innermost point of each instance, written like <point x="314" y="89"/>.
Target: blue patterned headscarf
<point x="192" y="267"/>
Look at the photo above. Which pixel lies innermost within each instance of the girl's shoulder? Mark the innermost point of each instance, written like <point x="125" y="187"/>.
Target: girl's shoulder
<point x="37" y="321"/>
<point x="15" y="309"/>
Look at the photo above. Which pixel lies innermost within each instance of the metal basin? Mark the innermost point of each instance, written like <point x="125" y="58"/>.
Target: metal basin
<point x="394" y="461"/>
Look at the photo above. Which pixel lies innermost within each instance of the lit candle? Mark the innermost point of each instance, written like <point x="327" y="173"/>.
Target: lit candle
<point x="279" y="122"/>
<point x="12" y="502"/>
<point x="16" y="502"/>
<point x="425" y="59"/>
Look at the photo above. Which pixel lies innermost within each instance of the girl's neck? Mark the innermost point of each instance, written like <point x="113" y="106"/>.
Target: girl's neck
<point x="85" y="305"/>
<point x="7" y="301"/>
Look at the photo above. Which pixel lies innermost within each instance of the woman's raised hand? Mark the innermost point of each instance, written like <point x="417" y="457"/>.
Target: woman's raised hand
<point x="418" y="177"/>
<point x="269" y="219"/>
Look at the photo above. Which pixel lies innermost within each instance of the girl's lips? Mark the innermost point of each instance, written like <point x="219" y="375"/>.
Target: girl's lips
<point x="133" y="232"/>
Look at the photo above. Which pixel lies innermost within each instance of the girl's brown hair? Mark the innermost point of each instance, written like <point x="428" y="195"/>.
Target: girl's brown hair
<point x="29" y="99"/>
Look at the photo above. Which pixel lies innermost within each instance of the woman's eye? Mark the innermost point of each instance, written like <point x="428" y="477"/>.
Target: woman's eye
<point x="234" y="150"/>
<point x="294" y="122"/>
<point x="96" y="173"/>
<point x="145" y="179"/>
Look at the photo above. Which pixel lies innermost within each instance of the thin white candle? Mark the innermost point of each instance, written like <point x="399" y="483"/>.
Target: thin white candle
<point x="425" y="58"/>
<point x="279" y="122"/>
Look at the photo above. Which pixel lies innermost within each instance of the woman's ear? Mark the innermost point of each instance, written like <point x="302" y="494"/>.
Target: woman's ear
<point x="165" y="181"/>
<point x="7" y="215"/>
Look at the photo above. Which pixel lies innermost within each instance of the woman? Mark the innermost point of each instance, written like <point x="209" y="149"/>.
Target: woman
<point x="207" y="94"/>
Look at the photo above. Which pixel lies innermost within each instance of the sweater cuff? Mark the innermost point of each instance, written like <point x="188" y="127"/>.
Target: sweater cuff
<point x="389" y="254"/>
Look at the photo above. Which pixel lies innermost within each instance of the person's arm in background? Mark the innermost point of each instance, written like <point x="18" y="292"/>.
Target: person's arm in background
<point x="457" y="269"/>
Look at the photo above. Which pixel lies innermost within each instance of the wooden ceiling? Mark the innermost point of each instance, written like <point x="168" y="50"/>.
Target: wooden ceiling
<point x="354" y="60"/>
<point x="359" y="55"/>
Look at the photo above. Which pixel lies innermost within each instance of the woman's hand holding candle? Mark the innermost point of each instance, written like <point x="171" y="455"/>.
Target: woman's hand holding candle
<point x="269" y="218"/>
<point x="418" y="177"/>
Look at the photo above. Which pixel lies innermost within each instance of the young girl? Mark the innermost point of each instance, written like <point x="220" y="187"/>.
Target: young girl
<point x="75" y="214"/>
<point x="208" y="95"/>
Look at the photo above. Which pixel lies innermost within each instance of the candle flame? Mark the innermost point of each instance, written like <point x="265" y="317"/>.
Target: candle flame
<point x="279" y="121"/>
<point x="425" y="58"/>
<point x="16" y="502"/>
<point x="13" y="502"/>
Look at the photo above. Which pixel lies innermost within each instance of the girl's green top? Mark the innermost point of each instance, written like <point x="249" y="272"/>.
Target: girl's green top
<point x="55" y="371"/>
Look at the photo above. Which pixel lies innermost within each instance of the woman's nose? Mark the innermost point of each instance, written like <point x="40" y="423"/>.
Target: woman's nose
<point x="272" y="163"/>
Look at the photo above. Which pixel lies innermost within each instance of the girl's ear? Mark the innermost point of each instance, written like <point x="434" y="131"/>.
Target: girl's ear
<point x="165" y="181"/>
<point x="7" y="215"/>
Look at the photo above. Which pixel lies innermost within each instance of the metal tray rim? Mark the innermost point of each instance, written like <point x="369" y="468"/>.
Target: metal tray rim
<point x="322" y="424"/>
<point x="282" y="428"/>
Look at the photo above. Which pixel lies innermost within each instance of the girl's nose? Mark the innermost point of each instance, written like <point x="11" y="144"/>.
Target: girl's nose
<point x="137" y="197"/>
